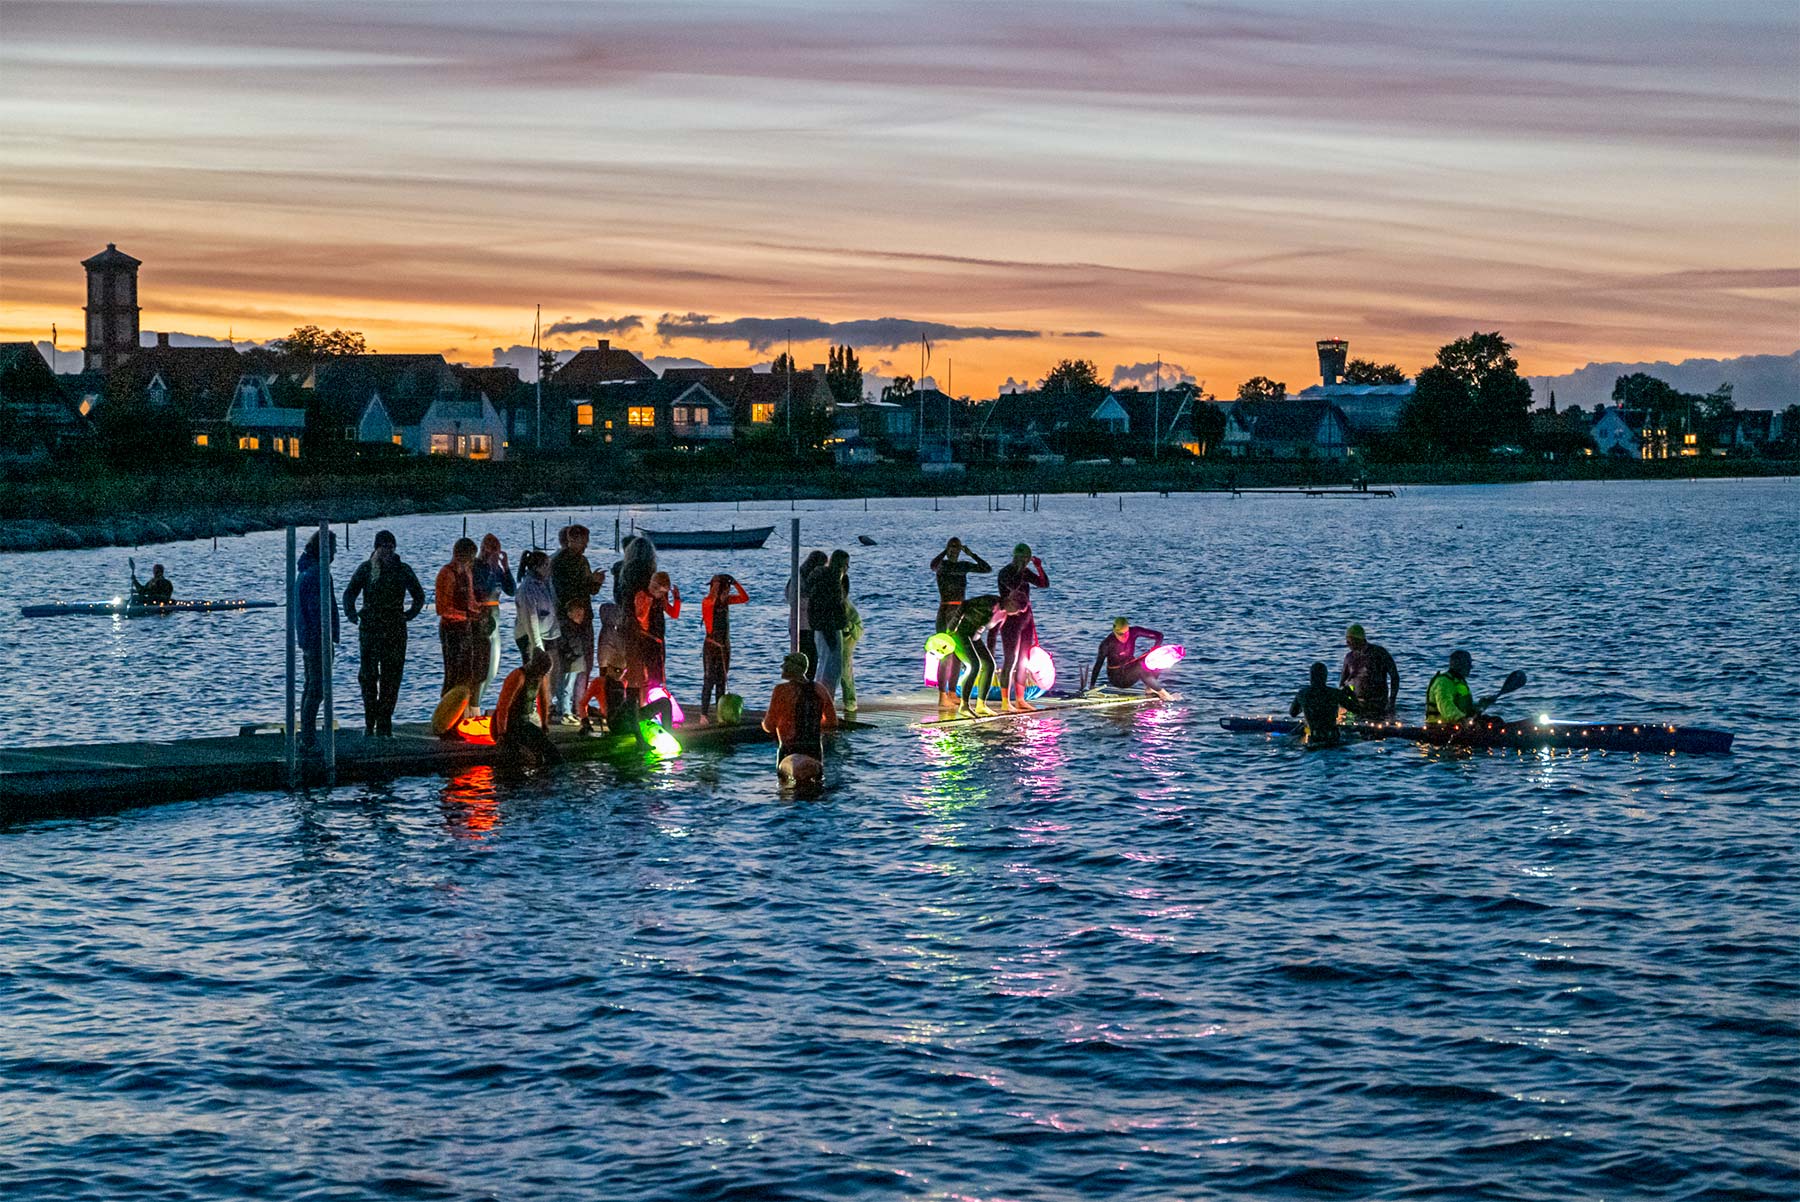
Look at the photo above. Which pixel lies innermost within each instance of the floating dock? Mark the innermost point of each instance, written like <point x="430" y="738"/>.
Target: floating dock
<point x="88" y="779"/>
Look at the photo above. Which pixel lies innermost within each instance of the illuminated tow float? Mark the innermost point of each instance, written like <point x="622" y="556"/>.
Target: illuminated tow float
<point x="1040" y="669"/>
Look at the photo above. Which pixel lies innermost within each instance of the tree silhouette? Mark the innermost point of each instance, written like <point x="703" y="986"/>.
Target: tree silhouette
<point x="1362" y="371"/>
<point x="1261" y="388"/>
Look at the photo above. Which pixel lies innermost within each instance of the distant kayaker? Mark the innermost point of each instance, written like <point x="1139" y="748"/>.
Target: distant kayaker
<point x="952" y="572"/>
<point x="1370" y="676"/>
<point x="1319" y="702"/>
<point x="158" y="590"/>
<point x="391" y="597"/>
<point x="1447" y="697"/>
<point x="1124" y="663"/>
<point x="799" y="713"/>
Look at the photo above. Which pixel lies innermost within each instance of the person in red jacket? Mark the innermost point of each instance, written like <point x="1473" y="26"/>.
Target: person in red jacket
<point x="456" y="611"/>
<point x="715" y="655"/>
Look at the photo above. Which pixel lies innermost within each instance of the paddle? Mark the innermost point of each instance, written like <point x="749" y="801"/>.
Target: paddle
<point x="1511" y="684"/>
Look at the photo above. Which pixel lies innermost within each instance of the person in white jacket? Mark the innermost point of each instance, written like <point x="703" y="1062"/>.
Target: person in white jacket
<point x="535" y="626"/>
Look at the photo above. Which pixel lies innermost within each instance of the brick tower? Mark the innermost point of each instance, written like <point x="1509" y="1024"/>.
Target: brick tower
<point x="112" y="309"/>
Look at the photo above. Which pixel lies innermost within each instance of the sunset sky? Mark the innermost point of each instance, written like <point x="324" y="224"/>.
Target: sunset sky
<point x="1220" y="184"/>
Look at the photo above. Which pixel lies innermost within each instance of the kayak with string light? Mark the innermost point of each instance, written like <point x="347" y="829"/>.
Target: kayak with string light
<point x="1604" y="736"/>
<point x="118" y="607"/>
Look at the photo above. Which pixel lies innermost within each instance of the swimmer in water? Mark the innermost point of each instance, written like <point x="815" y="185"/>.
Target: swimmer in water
<point x="799" y="713"/>
<point x="1320" y="703"/>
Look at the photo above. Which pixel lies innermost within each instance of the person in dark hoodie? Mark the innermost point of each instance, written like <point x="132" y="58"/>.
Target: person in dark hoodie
<point x="309" y="626"/>
<point x="391" y="597"/>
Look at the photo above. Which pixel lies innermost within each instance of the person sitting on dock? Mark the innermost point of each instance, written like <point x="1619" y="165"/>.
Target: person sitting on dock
<point x="952" y="572"/>
<point x="391" y="597"/>
<point x="1319" y="702"/>
<point x="158" y="590"/>
<point x="1124" y="663"/>
<point x="1370" y="676"/>
<point x="799" y="713"/>
<point x="523" y="743"/>
<point x="722" y="593"/>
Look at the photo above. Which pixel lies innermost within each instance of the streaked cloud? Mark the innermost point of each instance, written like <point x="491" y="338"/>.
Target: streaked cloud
<point x="881" y="333"/>
<point x="596" y="325"/>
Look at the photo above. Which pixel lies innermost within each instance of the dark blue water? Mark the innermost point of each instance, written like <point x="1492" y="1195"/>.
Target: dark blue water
<point x="1095" y="955"/>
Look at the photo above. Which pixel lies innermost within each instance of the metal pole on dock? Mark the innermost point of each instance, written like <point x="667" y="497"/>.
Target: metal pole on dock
<point x="615" y="535"/>
<point x="794" y="605"/>
<point x="290" y="743"/>
<point x="327" y="611"/>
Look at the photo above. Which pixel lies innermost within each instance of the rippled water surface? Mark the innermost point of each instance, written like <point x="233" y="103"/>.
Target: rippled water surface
<point x="1102" y="955"/>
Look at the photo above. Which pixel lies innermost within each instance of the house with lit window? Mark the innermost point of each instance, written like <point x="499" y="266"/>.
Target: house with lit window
<point x="37" y="417"/>
<point x="572" y="397"/>
<point x="195" y="385"/>
<point x="759" y="399"/>
<point x="254" y="421"/>
<point x="416" y="402"/>
<point x="1629" y="433"/>
<point x="640" y="414"/>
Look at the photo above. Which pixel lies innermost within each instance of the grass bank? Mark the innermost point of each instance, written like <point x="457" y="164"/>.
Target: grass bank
<point x="91" y="504"/>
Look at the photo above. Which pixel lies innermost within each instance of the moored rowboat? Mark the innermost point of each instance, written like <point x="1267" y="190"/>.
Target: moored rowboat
<point x="748" y="539"/>
<point x="1605" y="736"/>
<point x="118" y="607"/>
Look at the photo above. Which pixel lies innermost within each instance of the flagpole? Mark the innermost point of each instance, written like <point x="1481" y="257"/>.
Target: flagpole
<point x="1156" y="423"/>
<point x="537" y="323"/>
<point x="920" y="390"/>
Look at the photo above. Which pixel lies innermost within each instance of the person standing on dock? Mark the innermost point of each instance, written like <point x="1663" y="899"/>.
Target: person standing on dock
<point x="796" y="589"/>
<point x="1018" y="634"/>
<point x="829" y="614"/>
<point x="493" y="583"/>
<point x="575" y="582"/>
<point x="455" y="601"/>
<point x="722" y="593"/>
<point x="309" y="626"/>
<point x="952" y="572"/>
<point x="391" y="597"/>
<point x="1370" y="675"/>
<point x="653" y="607"/>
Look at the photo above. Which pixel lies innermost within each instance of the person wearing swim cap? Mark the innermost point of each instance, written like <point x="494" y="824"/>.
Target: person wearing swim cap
<point x="1320" y="703"/>
<point x="952" y="572"/>
<point x="1124" y="663"/>
<point x="799" y="713"/>
<point x="971" y="636"/>
<point x="1370" y="676"/>
<point x="1018" y="633"/>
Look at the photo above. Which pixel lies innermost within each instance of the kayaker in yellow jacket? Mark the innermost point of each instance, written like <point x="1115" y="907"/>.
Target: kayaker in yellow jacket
<point x="1447" y="697"/>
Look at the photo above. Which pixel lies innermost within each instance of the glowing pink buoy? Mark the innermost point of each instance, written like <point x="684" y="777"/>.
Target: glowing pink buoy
<point x="657" y="693"/>
<point x="1164" y="657"/>
<point x="1040" y="668"/>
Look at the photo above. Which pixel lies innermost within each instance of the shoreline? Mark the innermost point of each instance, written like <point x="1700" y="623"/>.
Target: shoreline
<point x="106" y="508"/>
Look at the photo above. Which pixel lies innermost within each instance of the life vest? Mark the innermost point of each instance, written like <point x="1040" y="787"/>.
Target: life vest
<point x="1459" y="689"/>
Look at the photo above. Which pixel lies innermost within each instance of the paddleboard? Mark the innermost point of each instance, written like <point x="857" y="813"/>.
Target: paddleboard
<point x="1045" y="707"/>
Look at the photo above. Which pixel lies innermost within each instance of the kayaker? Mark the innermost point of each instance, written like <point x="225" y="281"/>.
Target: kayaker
<point x="391" y="597"/>
<point x="1447" y="697"/>
<point x="952" y="572"/>
<point x="1018" y="634"/>
<point x="1370" y="675"/>
<point x="799" y="713"/>
<point x="1124" y="663"/>
<point x="1319" y="702"/>
<point x="158" y="590"/>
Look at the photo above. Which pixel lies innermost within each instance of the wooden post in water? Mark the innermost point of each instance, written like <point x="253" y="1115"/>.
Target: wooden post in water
<point x="290" y="743"/>
<point x="794" y="605"/>
<point x="327" y="611"/>
<point x="615" y="535"/>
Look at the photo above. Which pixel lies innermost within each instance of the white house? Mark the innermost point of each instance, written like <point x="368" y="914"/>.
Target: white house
<point x="1289" y="429"/>
<point x="257" y="422"/>
<point x="1618" y="432"/>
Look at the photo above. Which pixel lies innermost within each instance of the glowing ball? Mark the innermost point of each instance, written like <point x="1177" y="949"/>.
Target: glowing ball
<point x="1040" y="669"/>
<point x="937" y="648"/>
<point x="657" y="693"/>
<point x="662" y="743"/>
<point x="1164" y="657"/>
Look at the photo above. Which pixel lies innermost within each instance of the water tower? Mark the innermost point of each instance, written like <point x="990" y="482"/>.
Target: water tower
<point x="1333" y="353"/>
<point x="112" y="309"/>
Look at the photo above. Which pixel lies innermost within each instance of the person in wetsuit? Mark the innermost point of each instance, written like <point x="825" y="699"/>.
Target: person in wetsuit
<point x="722" y="593"/>
<point x="799" y="713"/>
<point x="1319" y="702"/>
<point x="158" y="590"/>
<point x="967" y="641"/>
<point x="952" y="572"/>
<point x="391" y="597"/>
<point x="525" y="744"/>
<point x="575" y="582"/>
<point x="1370" y="676"/>
<point x="1124" y="663"/>
<point x="1018" y="634"/>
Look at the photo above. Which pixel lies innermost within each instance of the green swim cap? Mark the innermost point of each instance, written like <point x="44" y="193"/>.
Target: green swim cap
<point x="1355" y="632"/>
<point x="1121" y="623"/>
<point x="731" y="709"/>
<point x="1023" y="550"/>
<point x="793" y="665"/>
<point x="941" y="645"/>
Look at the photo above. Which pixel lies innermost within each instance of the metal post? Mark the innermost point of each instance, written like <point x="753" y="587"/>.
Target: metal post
<point x="615" y="535"/>
<point x="794" y="605"/>
<point x="327" y="610"/>
<point x="290" y="737"/>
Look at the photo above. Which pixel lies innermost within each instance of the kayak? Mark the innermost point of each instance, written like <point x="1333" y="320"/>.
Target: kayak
<point x="118" y="607"/>
<point x="1605" y="736"/>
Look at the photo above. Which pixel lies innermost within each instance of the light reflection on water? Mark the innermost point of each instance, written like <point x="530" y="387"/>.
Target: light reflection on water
<point x="1115" y="954"/>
